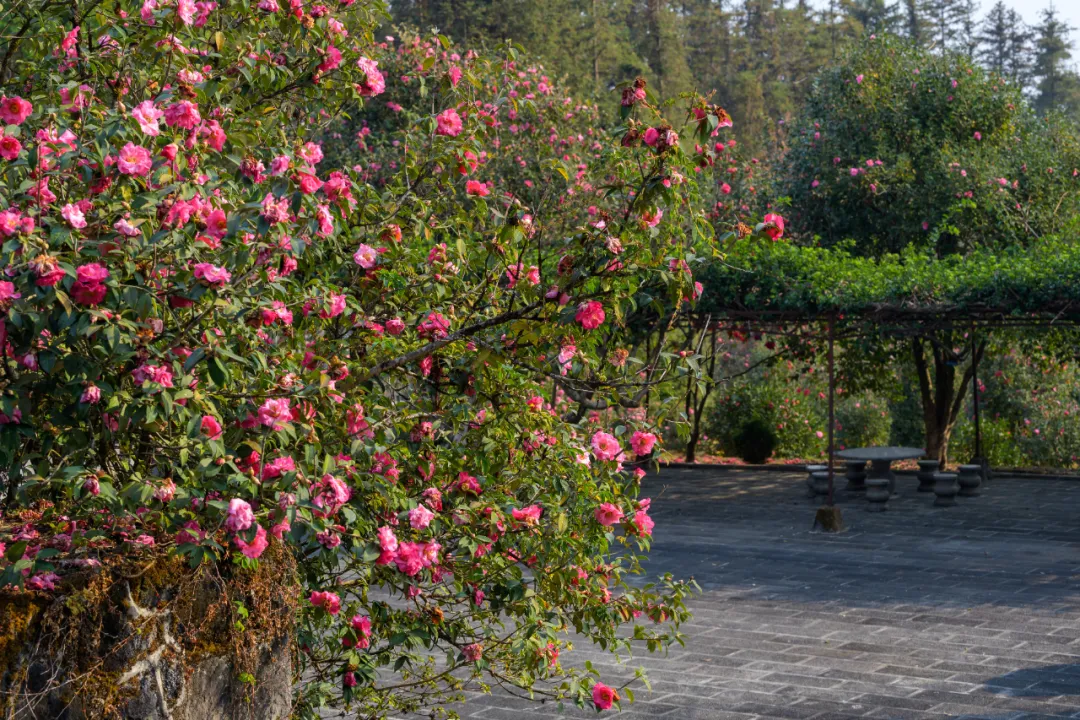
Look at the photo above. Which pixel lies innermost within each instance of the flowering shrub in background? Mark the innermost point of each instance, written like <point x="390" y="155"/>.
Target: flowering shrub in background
<point x="226" y="326"/>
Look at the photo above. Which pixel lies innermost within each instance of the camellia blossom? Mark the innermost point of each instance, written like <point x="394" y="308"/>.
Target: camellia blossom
<point x="14" y="110"/>
<point x="256" y="547"/>
<point x="774" y="226"/>
<point x="448" y="123"/>
<point x="275" y="413"/>
<point x="642" y="442"/>
<point x="211" y="428"/>
<point x="590" y="315"/>
<point x="373" y="83"/>
<point x="366" y="256"/>
<point x="74" y="216"/>
<point x="473" y="187"/>
<point x="148" y="115"/>
<point x="420" y="517"/>
<point x="604" y="697"/>
<point x="605" y="447"/>
<point x="238" y="516"/>
<point x="608" y="514"/>
<point x="183" y="114"/>
<point x="326" y="600"/>
<point x="212" y="275"/>
<point x="134" y="160"/>
<point x="528" y="515"/>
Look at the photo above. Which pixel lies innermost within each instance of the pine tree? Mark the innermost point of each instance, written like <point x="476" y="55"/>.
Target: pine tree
<point x="946" y="20"/>
<point x="914" y="22"/>
<point x="875" y="16"/>
<point x="1058" y="87"/>
<point x="1004" y="44"/>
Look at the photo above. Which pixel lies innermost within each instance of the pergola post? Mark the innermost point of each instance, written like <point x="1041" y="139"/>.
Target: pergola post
<point x="832" y="418"/>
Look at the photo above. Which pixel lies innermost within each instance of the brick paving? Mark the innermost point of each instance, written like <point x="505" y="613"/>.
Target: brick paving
<point x="916" y="613"/>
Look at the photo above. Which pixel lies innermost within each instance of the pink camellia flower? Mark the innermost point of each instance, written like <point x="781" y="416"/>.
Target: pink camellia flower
<point x="275" y="413"/>
<point x="473" y="652"/>
<point x="211" y="428"/>
<point x="535" y="403"/>
<point x="183" y="114"/>
<point x="774" y="226"/>
<point x="91" y="273"/>
<point x="91" y="395"/>
<point x="590" y="315"/>
<point x="361" y="625"/>
<point x="643" y="522"/>
<point x="978" y="135"/>
<point x="448" y="123"/>
<point x="859" y="79"/>
<point x="92" y="485"/>
<point x="605" y="447"/>
<point x="395" y="326"/>
<point x="15" y="110"/>
<point x="529" y="515"/>
<point x="148" y="115"/>
<point x="238" y="516"/>
<point x="642" y="442"/>
<point x="10" y="147"/>
<point x="473" y="187"/>
<point x="326" y="600"/>
<point x="212" y="275"/>
<point x="74" y="216"/>
<point x="409" y="558"/>
<point x="366" y="256"/>
<point x="388" y="544"/>
<point x="603" y="696"/>
<point x="420" y="517"/>
<point x="256" y="547"/>
<point x="374" y="83"/>
<point x="608" y="514"/>
<point x="134" y="160"/>
<point x="651" y="137"/>
<point x="89" y="288"/>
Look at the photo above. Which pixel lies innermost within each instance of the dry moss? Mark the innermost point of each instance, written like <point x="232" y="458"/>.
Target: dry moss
<point x="103" y="622"/>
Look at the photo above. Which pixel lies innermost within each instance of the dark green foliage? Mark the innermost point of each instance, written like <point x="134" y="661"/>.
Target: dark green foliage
<point x="755" y="441"/>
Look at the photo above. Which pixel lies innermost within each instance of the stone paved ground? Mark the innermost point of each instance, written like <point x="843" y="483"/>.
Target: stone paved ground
<point x="913" y="614"/>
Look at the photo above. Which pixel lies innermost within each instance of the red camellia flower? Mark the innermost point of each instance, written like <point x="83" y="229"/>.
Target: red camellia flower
<point x="603" y="696"/>
<point x="774" y="226"/>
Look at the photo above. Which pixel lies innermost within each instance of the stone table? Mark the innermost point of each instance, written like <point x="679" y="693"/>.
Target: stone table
<point x="881" y="460"/>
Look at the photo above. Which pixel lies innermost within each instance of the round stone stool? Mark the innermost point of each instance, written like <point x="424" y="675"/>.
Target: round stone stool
<point x="945" y="488"/>
<point x="969" y="479"/>
<point x="810" y="470"/>
<point x="856" y="476"/>
<point x="877" y="493"/>
<point x="820" y="482"/>
<point x="927" y="468"/>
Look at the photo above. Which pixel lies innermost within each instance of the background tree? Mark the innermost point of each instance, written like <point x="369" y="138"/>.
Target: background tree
<point x="1058" y="87"/>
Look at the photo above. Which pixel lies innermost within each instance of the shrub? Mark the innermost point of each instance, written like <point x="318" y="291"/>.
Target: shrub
<point x="862" y="421"/>
<point x="216" y="342"/>
<point x="755" y="441"/>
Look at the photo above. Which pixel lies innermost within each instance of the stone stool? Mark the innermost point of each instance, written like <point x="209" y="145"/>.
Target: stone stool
<point x="810" y="470"/>
<point x="856" y="476"/>
<point x="820" y="481"/>
<point x="945" y="488"/>
<point x="927" y="468"/>
<point x="969" y="479"/>
<point x="877" y="493"/>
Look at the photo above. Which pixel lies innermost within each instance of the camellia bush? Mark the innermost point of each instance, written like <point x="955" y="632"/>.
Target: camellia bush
<point x="219" y="344"/>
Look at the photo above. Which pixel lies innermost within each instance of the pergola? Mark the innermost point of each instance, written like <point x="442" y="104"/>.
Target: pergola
<point x="769" y="287"/>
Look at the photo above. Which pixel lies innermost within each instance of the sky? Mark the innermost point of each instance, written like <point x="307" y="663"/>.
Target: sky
<point x="1032" y="12"/>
